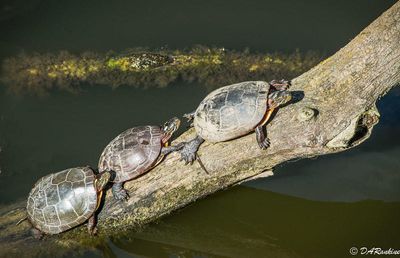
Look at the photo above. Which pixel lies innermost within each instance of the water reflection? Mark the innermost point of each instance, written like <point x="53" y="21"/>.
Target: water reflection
<point x="245" y="222"/>
<point x="136" y="247"/>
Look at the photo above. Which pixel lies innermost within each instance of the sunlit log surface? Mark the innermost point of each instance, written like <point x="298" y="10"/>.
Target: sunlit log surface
<point x="334" y="110"/>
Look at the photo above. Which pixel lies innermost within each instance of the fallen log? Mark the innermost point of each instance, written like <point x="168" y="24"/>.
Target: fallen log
<point x="334" y="110"/>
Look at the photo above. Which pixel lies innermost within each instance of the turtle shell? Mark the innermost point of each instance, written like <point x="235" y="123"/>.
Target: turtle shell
<point x="132" y="153"/>
<point x="231" y="111"/>
<point x="62" y="200"/>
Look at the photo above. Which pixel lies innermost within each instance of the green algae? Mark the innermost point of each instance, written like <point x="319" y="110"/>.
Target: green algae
<point x="39" y="73"/>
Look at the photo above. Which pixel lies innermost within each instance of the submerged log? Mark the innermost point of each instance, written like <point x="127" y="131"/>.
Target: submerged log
<point x="334" y="110"/>
<point x="40" y="73"/>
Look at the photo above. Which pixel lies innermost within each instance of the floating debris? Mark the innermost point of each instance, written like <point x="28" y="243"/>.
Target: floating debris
<point x="139" y="62"/>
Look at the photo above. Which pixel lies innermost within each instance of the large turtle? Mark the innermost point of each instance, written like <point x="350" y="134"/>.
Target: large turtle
<point x="63" y="200"/>
<point x="233" y="111"/>
<point x="136" y="151"/>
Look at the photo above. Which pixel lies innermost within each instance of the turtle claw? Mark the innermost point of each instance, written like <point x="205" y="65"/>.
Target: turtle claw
<point x="264" y="144"/>
<point x="93" y="231"/>
<point x="189" y="116"/>
<point x="120" y="193"/>
<point x="188" y="158"/>
<point x="192" y="159"/>
<point x="189" y="150"/>
<point x="280" y="84"/>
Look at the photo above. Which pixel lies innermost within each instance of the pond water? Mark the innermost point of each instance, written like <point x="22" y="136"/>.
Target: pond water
<point x="310" y="208"/>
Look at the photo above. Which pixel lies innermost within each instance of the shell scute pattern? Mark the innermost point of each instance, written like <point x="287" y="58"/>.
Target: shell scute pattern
<point x="40" y="203"/>
<point x="132" y="152"/>
<point x="45" y="182"/>
<point x="62" y="200"/>
<point x="74" y="176"/>
<point x="51" y="216"/>
<point x="58" y="178"/>
<point x="231" y="111"/>
<point x="64" y="189"/>
<point x="78" y="184"/>
<point x="129" y="142"/>
<point x="51" y="196"/>
<point x="39" y="217"/>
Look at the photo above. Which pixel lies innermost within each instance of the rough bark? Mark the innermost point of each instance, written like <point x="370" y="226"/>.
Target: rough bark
<point x="334" y="110"/>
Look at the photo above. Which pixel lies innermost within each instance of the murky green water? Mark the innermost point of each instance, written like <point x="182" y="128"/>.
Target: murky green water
<point x="311" y="208"/>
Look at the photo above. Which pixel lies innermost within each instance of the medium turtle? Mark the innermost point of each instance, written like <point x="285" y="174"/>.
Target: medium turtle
<point x="136" y="151"/>
<point x="233" y="111"/>
<point x="66" y="199"/>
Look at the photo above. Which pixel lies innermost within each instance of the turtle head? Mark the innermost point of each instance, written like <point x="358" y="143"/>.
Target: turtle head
<point x="169" y="128"/>
<point x="278" y="98"/>
<point x="101" y="180"/>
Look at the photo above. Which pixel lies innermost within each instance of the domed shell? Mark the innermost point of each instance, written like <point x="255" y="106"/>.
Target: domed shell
<point x="132" y="153"/>
<point x="62" y="200"/>
<point x="231" y="111"/>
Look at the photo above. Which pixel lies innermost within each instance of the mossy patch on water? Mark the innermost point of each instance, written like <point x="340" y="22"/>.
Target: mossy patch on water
<point x="214" y="67"/>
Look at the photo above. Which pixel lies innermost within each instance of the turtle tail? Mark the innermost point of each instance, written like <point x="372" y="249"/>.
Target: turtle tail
<point x="201" y="163"/>
<point x="21" y="220"/>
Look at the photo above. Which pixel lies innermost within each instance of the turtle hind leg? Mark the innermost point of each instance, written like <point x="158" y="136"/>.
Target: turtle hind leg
<point x="261" y="137"/>
<point x="119" y="192"/>
<point x="189" y="150"/>
<point x="37" y="234"/>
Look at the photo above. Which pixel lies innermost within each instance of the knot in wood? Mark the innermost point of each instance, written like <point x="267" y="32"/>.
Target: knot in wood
<point x="306" y="114"/>
<point x="369" y="120"/>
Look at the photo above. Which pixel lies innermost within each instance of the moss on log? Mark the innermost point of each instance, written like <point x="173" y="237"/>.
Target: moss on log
<point x="334" y="110"/>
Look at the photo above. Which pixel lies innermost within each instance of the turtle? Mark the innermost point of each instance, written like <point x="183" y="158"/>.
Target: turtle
<point x="233" y="111"/>
<point x="63" y="200"/>
<point x="135" y="152"/>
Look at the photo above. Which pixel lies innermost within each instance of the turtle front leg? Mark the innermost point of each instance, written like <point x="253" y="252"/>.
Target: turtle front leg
<point x="119" y="192"/>
<point x="167" y="150"/>
<point x="190" y="117"/>
<point x="190" y="148"/>
<point x="92" y="225"/>
<point x="261" y="137"/>
<point x="280" y="85"/>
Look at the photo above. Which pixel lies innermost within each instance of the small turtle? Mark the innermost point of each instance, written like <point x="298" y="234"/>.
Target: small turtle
<point x="233" y="111"/>
<point x="66" y="199"/>
<point x="136" y="151"/>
